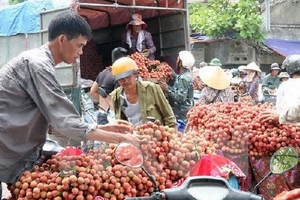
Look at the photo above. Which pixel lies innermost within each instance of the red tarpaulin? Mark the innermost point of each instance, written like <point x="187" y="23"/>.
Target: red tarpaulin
<point x="102" y="16"/>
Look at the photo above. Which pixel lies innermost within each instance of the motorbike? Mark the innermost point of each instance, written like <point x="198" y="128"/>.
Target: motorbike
<point x="195" y="187"/>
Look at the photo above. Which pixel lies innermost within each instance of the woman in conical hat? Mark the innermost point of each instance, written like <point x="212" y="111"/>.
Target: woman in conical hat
<point x="252" y="80"/>
<point x="217" y="85"/>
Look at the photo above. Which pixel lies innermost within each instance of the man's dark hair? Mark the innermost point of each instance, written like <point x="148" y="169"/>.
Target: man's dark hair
<point x="117" y="53"/>
<point x="70" y="24"/>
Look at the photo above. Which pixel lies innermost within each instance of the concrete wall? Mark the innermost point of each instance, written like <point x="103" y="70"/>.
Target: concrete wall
<point x="284" y="19"/>
<point x="229" y="52"/>
<point x="232" y="54"/>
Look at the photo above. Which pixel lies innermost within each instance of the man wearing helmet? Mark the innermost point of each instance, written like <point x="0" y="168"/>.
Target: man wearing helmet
<point x="136" y="100"/>
<point x="106" y="81"/>
<point x="288" y="95"/>
<point x="181" y="93"/>
<point x="271" y="81"/>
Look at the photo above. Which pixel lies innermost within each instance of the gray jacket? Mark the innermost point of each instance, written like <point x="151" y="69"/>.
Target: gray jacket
<point x="30" y="99"/>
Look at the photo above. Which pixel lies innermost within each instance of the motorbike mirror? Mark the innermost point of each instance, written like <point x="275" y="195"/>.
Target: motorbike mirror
<point x="129" y="155"/>
<point x="102" y="92"/>
<point x="283" y="160"/>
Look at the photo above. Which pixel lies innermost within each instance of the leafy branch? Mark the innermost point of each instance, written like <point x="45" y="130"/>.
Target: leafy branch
<point x="218" y="18"/>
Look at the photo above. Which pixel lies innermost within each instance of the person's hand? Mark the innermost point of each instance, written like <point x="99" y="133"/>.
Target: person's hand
<point x="269" y="116"/>
<point x="133" y="139"/>
<point x="164" y="86"/>
<point x="121" y="121"/>
<point x="118" y="125"/>
<point x="272" y="91"/>
<point x="146" y="52"/>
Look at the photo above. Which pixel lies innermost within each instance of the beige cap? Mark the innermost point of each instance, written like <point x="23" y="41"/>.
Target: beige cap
<point x="214" y="77"/>
<point x="187" y="59"/>
<point x="252" y="66"/>
<point x="284" y="75"/>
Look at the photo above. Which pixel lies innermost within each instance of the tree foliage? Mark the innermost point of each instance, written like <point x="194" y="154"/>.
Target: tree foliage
<point x="13" y="2"/>
<point x="241" y="21"/>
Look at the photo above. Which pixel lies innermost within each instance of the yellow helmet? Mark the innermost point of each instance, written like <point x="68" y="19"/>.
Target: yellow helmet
<point x="123" y="67"/>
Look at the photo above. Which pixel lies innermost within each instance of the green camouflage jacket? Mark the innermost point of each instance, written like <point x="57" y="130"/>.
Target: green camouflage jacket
<point x="181" y="95"/>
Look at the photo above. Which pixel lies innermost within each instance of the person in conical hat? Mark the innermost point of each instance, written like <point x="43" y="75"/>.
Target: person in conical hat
<point x="252" y="80"/>
<point x="217" y="85"/>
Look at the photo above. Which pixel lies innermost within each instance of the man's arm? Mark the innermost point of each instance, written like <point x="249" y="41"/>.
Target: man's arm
<point x="290" y="116"/>
<point x="116" y="132"/>
<point x="94" y="91"/>
<point x="149" y="42"/>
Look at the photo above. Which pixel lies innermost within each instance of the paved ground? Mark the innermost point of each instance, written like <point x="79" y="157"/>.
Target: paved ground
<point x="5" y="191"/>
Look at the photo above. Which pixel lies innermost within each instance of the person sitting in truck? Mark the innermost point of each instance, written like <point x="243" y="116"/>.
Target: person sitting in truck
<point x="31" y="99"/>
<point x="137" y="39"/>
<point x="181" y="94"/>
<point x="135" y="100"/>
<point x="106" y="80"/>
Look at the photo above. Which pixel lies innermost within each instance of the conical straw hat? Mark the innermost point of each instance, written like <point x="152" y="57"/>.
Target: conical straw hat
<point x="214" y="77"/>
<point x="252" y="66"/>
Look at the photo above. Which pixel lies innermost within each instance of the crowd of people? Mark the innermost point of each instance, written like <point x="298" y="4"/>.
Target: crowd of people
<point x="247" y="80"/>
<point x="30" y="92"/>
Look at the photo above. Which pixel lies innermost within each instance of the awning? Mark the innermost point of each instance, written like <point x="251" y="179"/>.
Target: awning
<point x="283" y="47"/>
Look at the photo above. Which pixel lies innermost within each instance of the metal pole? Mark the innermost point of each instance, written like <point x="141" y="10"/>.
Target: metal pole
<point x="187" y="28"/>
<point x="123" y="6"/>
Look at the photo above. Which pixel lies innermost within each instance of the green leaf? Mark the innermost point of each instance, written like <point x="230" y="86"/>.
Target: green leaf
<point x="219" y="17"/>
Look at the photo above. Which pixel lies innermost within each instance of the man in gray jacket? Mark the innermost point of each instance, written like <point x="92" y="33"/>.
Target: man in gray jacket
<point x="31" y="99"/>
